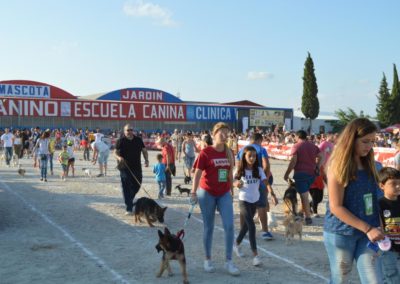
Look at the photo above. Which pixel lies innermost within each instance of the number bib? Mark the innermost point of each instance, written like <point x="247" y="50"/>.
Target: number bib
<point x="222" y="175"/>
<point x="369" y="209"/>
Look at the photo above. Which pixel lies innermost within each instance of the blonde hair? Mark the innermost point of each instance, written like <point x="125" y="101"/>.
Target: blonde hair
<point x="342" y="163"/>
<point x="217" y="127"/>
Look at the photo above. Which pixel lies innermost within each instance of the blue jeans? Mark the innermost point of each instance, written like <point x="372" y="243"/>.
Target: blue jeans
<point x="43" y="166"/>
<point x="51" y="161"/>
<point x="208" y="203"/>
<point x="161" y="188"/>
<point x="130" y="187"/>
<point x="390" y="267"/>
<point x="8" y="152"/>
<point x="342" y="250"/>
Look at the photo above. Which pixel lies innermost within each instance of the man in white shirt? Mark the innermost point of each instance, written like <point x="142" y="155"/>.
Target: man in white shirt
<point x="101" y="151"/>
<point x="7" y="140"/>
<point x="98" y="135"/>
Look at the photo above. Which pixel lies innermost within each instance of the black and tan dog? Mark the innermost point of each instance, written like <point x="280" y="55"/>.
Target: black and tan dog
<point x="173" y="249"/>
<point x="187" y="179"/>
<point x="150" y="210"/>
<point x="182" y="189"/>
<point x="290" y="199"/>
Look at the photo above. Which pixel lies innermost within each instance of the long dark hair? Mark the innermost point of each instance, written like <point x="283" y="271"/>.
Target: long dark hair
<point x="243" y="164"/>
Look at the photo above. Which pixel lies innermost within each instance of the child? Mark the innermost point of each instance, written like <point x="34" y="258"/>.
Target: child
<point x="247" y="179"/>
<point x="159" y="170"/>
<point x="63" y="158"/>
<point x="317" y="192"/>
<point x="390" y="214"/>
<point x="71" y="160"/>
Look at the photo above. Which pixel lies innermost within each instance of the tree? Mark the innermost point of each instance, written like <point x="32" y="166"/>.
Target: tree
<point x="309" y="100"/>
<point x="395" y="97"/>
<point x="344" y="117"/>
<point x="384" y="108"/>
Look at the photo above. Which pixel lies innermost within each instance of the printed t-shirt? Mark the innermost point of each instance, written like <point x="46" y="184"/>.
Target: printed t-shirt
<point x="215" y="166"/>
<point x="390" y="215"/>
<point x="326" y="147"/>
<point x="249" y="192"/>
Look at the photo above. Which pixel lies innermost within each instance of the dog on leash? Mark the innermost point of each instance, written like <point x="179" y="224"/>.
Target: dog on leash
<point x="87" y="171"/>
<point x="182" y="189"/>
<point x="293" y="226"/>
<point x="150" y="210"/>
<point x="21" y="171"/>
<point x="290" y="199"/>
<point x="187" y="179"/>
<point x="173" y="249"/>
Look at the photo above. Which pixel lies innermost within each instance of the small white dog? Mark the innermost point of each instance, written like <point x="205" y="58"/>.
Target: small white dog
<point x="87" y="171"/>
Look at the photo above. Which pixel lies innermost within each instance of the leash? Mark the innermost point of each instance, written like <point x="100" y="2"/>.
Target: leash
<point x="181" y="233"/>
<point x="135" y="178"/>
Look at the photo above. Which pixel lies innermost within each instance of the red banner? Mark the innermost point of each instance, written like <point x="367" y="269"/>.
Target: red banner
<point x="81" y="109"/>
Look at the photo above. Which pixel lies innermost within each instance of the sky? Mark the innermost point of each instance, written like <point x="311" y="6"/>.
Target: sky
<point x="208" y="51"/>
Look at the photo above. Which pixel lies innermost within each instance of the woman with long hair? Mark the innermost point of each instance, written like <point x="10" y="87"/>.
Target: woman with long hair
<point x="352" y="217"/>
<point x="212" y="187"/>
<point x="42" y="146"/>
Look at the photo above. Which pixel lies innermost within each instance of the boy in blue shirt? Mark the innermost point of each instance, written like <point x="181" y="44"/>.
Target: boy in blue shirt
<point x="159" y="171"/>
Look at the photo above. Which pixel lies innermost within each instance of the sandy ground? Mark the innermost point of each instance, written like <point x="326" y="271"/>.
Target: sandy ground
<point x="76" y="232"/>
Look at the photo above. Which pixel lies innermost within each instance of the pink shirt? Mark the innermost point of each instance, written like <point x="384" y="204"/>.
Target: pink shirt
<point x="306" y="157"/>
<point x="326" y="148"/>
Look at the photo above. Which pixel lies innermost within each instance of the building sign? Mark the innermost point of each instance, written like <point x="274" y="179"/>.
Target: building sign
<point x="27" y="91"/>
<point x="92" y="109"/>
<point x="210" y="113"/>
<point x="32" y="89"/>
<point x="265" y="117"/>
<point x="140" y="95"/>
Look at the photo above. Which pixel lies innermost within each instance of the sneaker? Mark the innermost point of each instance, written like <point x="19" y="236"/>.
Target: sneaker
<point x="231" y="268"/>
<point x="45" y="179"/>
<point x="237" y="250"/>
<point x="256" y="260"/>
<point x="267" y="236"/>
<point x="100" y="175"/>
<point x="317" y="216"/>
<point x="128" y="213"/>
<point x="208" y="266"/>
<point x="308" y="221"/>
<point x="41" y="179"/>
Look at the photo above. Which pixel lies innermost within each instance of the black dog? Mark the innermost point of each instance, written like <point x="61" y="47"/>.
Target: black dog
<point x="150" y="209"/>
<point x="290" y="199"/>
<point x="187" y="179"/>
<point x="182" y="189"/>
<point x="172" y="248"/>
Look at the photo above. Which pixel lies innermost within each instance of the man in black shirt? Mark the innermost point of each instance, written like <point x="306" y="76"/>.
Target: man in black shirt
<point x="127" y="151"/>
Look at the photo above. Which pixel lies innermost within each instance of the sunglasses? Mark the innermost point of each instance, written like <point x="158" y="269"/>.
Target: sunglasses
<point x="128" y="129"/>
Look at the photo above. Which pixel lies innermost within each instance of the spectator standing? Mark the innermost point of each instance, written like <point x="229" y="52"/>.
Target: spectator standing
<point x="127" y="151"/>
<point x="168" y="160"/>
<point x="7" y="139"/>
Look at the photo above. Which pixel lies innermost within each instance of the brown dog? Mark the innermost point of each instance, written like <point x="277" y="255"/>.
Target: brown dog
<point x="290" y="199"/>
<point x="150" y="210"/>
<point x="293" y="225"/>
<point x="172" y="248"/>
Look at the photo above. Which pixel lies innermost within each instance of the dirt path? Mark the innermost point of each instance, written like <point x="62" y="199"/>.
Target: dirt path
<point x="76" y="232"/>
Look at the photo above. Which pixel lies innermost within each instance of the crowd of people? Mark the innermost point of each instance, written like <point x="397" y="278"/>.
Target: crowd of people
<point x="363" y="205"/>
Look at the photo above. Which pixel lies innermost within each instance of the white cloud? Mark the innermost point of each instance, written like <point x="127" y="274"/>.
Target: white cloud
<point x="160" y="15"/>
<point x="259" y="75"/>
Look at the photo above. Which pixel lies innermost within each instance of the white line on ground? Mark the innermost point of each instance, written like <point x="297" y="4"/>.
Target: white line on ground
<point x="117" y="277"/>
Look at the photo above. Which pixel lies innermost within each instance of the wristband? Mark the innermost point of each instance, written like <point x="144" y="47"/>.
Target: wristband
<point x="369" y="229"/>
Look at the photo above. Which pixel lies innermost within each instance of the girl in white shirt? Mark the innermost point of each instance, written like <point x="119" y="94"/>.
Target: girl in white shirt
<point x="42" y="145"/>
<point x="247" y="180"/>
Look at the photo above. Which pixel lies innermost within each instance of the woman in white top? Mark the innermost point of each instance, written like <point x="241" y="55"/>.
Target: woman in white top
<point x="42" y="145"/>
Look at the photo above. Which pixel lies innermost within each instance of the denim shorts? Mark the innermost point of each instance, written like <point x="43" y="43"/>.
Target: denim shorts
<point x="303" y="182"/>
<point x="103" y="157"/>
<point x="262" y="201"/>
<point x="189" y="161"/>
